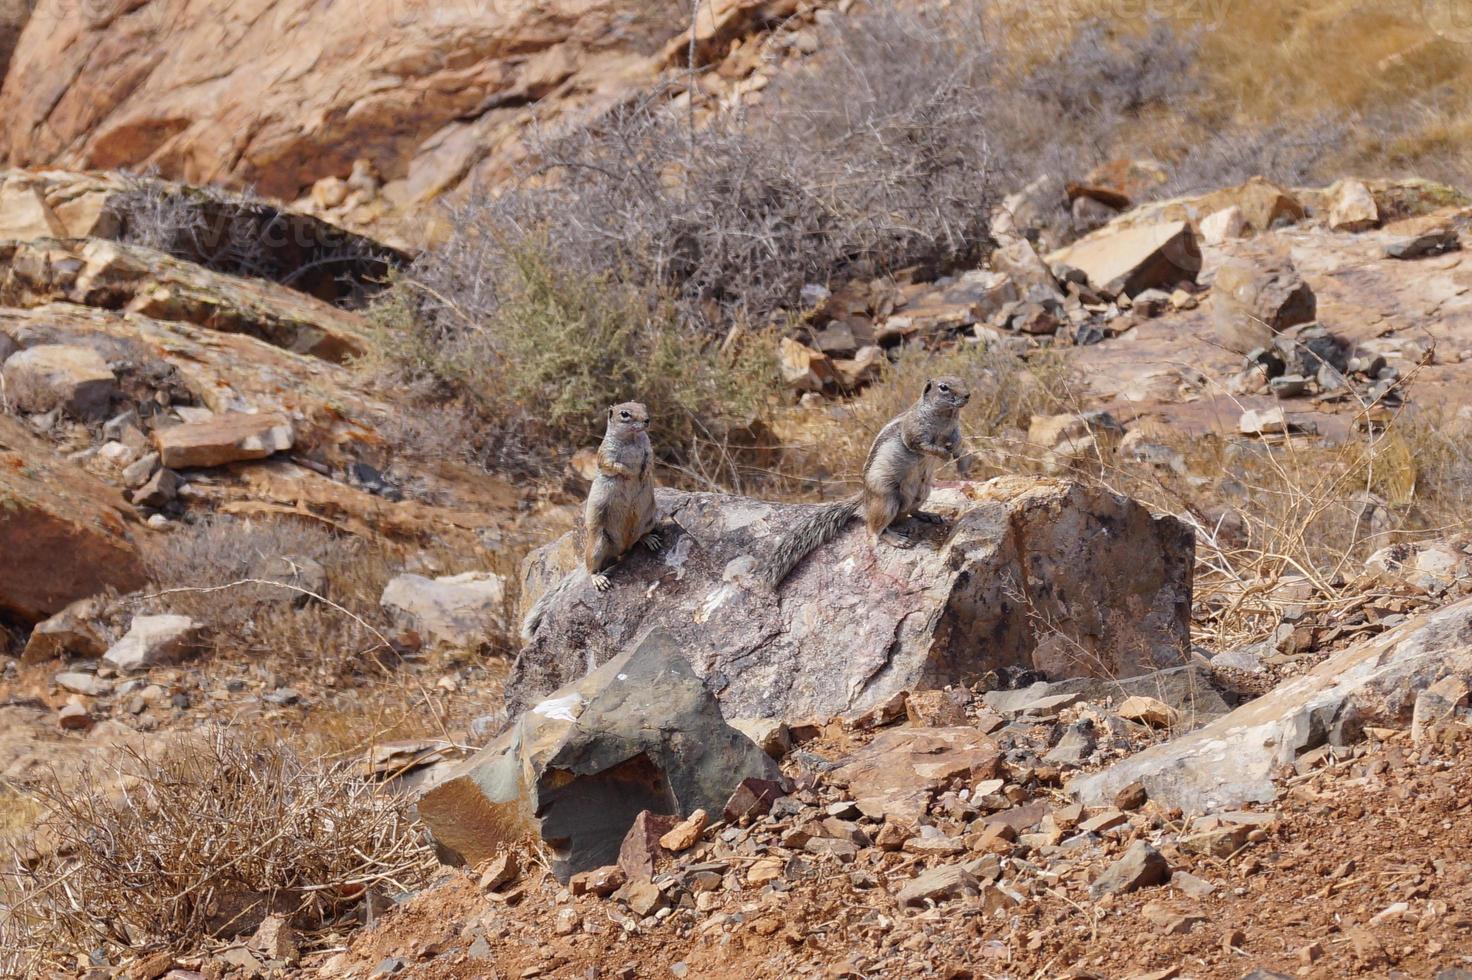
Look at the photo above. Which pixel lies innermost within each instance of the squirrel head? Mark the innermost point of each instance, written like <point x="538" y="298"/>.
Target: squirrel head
<point x="946" y="392"/>
<point x="627" y="419"/>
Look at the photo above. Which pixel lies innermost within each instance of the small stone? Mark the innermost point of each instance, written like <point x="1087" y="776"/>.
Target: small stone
<point x="389" y="967"/>
<point x="752" y="798"/>
<point x="74" y="717"/>
<point x="1353" y="208"/>
<point x="136" y="473"/>
<point x="1219" y="226"/>
<point x="1131" y="797"/>
<point x="1222" y="843"/>
<point x="642" y="897"/>
<point x="601" y="882"/>
<point x="71" y="378"/>
<point x="933" y="709"/>
<point x="499" y="871"/>
<point x="940" y="884"/>
<point x="276" y="939"/>
<point x="772" y="735"/>
<point x="78" y="682"/>
<point x="1149" y="711"/>
<point x="1101" y="822"/>
<point x="684" y="834"/>
<point x="1191" y="885"/>
<point x="224" y="439"/>
<point x="641" y="854"/>
<point x="1141" y="866"/>
<point x="152" y="640"/>
<point x="763" y="871"/>
<point x="567" y="922"/>
<point x="159" y="490"/>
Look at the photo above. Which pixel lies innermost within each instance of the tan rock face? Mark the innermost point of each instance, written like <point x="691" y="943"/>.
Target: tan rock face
<point x="281" y="97"/>
<point x="115" y="275"/>
<point x="64" y="536"/>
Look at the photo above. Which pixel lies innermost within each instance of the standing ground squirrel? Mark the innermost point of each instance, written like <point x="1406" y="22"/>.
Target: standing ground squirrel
<point x="620" y="509"/>
<point x="897" y="476"/>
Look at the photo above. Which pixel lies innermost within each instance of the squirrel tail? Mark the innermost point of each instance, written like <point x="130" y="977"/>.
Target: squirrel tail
<point x="818" y="528"/>
<point x="544" y="602"/>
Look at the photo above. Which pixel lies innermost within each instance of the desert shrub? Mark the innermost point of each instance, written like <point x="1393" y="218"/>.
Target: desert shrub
<point x="535" y="368"/>
<point x="202" y="842"/>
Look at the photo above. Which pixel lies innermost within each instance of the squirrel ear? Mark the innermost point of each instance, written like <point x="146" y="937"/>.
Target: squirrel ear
<point x="610" y="413"/>
<point x="927" y="389"/>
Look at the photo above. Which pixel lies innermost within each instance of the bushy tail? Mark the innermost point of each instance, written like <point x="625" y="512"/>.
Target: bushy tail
<point x="544" y="602"/>
<point x="818" y="528"/>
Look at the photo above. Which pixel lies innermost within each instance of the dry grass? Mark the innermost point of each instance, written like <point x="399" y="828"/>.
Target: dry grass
<point x="1373" y="86"/>
<point x="202" y="843"/>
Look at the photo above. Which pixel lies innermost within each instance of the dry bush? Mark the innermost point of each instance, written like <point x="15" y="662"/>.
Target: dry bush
<point x="536" y="369"/>
<point x="1270" y="513"/>
<point x="202" y="843"/>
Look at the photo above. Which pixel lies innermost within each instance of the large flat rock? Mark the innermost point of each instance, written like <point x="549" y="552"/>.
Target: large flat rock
<point x="1045" y="574"/>
<point x="1231" y="761"/>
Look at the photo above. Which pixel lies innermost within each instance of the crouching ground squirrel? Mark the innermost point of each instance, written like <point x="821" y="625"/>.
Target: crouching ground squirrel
<point x="897" y="476"/>
<point x="620" y="509"/>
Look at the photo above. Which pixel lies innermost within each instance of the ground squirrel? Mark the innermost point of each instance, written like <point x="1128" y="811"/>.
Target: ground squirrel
<point x="620" y="509"/>
<point x="897" y="476"/>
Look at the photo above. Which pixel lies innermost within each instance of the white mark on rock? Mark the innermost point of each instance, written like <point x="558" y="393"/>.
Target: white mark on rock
<point x="714" y="601"/>
<point x="565" y="708"/>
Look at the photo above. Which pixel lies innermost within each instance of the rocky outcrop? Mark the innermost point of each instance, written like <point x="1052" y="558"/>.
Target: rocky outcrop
<point x="117" y="276"/>
<point x="1233" y="759"/>
<point x="640" y="733"/>
<point x="231" y="234"/>
<point x="1048" y="575"/>
<point x="64" y="536"/>
<point x="283" y="98"/>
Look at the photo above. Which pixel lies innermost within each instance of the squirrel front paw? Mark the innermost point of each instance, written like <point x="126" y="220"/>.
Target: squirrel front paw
<point x="601" y="582"/>
<point x="652" y="541"/>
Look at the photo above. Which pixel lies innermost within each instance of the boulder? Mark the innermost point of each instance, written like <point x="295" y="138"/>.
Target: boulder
<point x="1220" y="226"/>
<point x="640" y="733"/>
<point x="223" y="439"/>
<point x="72" y="378"/>
<point x="1353" y="207"/>
<point x="1042" y="574"/>
<point x="1255" y="299"/>
<point x="64" y="536"/>
<point x="1232" y="760"/>
<point x="1263" y="204"/>
<point x="1132" y="260"/>
<point x="1141" y="866"/>
<point x="152" y="640"/>
<point x="456" y="612"/>
<point x="73" y="632"/>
